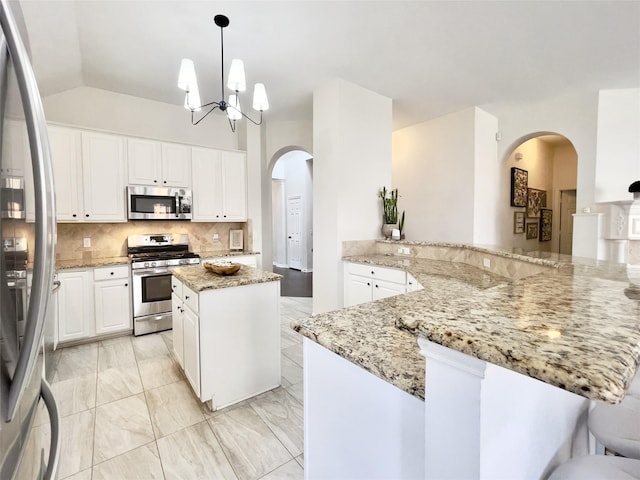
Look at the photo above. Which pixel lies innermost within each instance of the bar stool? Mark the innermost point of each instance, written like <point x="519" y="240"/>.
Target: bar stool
<point x="617" y="427"/>
<point x="598" y="467"/>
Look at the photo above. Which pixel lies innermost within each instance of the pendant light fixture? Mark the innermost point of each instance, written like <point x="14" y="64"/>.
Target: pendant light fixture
<point x="187" y="81"/>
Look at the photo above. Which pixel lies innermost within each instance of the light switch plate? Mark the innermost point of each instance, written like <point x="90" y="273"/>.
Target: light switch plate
<point x="486" y="262"/>
<point x="86" y="242"/>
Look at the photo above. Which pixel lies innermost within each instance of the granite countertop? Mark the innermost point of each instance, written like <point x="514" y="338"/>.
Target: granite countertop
<point x="576" y="329"/>
<point x="198" y="278"/>
<point x="91" y="262"/>
<point x="225" y="253"/>
<point x="367" y="335"/>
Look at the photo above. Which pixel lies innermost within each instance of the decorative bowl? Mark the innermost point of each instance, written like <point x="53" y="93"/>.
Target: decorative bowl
<point x="222" y="267"/>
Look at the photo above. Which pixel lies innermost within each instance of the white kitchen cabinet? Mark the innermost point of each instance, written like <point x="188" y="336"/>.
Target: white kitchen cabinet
<point x="365" y="283"/>
<point x="219" y="181"/>
<point x="191" y="333"/>
<point x="178" y="328"/>
<point x="75" y="305"/>
<point x="103" y="172"/>
<point x="15" y="149"/>
<point x="412" y="284"/>
<point x="112" y="298"/>
<point x="66" y="154"/>
<point x="158" y="163"/>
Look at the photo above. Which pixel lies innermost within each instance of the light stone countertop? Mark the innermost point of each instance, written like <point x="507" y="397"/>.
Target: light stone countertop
<point x="225" y="253"/>
<point x="574" y="328"/>
<point x="92" y="262"/>
<point x="366" y="334"/>
<point x="198" y="278"/>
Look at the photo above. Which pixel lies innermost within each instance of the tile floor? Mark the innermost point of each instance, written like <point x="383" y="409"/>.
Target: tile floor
<point x="128" y="413"/>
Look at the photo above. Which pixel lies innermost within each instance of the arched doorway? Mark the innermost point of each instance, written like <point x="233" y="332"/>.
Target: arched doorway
<point x="292" y="221"/>
<point x="541" y="178"/>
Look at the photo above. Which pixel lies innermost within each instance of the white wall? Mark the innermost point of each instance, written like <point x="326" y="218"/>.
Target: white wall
<point x="618" y="147"/>
<point x="104" y="110"/>
<point x="352" y="161"/>
<point x="486" y="179"/>
<point x="437" y="167"/>
<point x="287" y="134"/>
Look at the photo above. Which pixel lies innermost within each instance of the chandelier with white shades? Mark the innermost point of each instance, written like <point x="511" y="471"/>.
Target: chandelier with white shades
<point x="187" y="81"/>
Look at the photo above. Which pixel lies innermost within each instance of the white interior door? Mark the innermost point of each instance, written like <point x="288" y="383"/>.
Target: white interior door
<point x="567" y="209"/>
<point x="294" y="232"/>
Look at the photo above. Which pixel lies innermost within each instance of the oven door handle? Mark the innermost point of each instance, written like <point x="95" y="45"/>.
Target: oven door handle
<point x="150" y="272"/>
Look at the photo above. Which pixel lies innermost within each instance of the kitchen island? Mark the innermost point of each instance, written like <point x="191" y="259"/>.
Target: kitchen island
<point x="226" y="332"/>
<point x="511" y="365"/>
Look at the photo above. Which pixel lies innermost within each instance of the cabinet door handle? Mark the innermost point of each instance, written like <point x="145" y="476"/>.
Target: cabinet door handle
<point x="186" y="297"/>
<point x="126" y="284"/>
<point x="372" y="272"/>
<point x="86" y="215"/>
<point x="74" y="215"/>
<point x="376" y="286"/>
<point x="368" y="284"/>
<point x="164" y="181"/>
<point x="111" y="273"/>
<point x="155" y="181"/>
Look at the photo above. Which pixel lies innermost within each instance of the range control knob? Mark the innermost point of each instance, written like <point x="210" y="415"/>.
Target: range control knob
<point x="153" y="264"/>
<point x="146" y="264"/>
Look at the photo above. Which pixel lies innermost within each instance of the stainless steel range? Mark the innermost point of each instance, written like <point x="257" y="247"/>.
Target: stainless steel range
<point x="151" y="256"/>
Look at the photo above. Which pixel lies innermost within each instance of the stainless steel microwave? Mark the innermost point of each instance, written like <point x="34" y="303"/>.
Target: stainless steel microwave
<point x="12" y="197"/>
<point x="158" y="203"/>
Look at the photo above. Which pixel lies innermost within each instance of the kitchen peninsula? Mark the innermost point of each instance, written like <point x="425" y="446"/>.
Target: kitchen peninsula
<point x="516" y="346"/>
<point x="226" y="332"/>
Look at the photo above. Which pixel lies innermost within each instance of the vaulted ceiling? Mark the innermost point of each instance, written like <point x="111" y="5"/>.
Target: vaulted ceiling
<point x="430" y="57"/>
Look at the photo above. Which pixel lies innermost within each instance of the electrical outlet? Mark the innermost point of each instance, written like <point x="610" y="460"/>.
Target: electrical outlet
<point x="486" y="262"/>
<point x="216" y="238"/>
<point x="403" y="250"/>
<point x="86" y="242"/>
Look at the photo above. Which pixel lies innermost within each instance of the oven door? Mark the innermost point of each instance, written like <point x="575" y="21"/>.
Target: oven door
<point x="151" y="291"/>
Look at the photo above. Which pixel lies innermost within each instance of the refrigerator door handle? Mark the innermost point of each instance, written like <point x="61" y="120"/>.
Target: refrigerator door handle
<point x="54" y="418"/>
<point x="45" y="228"/>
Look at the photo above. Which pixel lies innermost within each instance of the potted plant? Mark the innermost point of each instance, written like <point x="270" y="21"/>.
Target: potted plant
<point x="389" y="210"/>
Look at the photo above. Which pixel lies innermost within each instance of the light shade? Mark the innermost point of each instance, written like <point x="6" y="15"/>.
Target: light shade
<point x="260" y="100"/>
<point x="192" y="99"/>
<point x="187" y="77"/>
<point x="233" y="108"/>
<point x="237" y="81"/>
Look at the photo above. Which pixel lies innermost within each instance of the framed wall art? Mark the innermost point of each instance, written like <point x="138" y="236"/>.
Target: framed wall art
<point x="532" y="230"/>
<point x="519" y="183"/>
<point x="545" y="224"/>
<point x="536" y="199"/>
<point x="518" y="222"/>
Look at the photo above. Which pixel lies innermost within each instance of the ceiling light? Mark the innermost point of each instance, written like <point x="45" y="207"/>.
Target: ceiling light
<point x="237" y="83"/>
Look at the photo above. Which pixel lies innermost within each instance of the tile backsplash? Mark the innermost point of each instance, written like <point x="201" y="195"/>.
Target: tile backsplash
<point x="110" y="239"/>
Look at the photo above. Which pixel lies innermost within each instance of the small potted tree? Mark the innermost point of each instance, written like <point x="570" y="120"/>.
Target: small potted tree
<point x="389" y="210"/>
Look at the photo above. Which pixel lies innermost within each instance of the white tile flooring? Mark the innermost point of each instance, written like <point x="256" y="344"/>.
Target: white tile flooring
<point x="129" y="413"/>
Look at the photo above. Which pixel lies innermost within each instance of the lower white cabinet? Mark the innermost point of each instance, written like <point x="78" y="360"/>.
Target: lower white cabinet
<point x="93" y="302"/>
<point x="177" y="308"/>
<point x="365" y="283"/>
<point x="112" y="299"/>
<point x="230" y="347"/>
<point x="191" y="348"/>
<point x="75" y="305"/>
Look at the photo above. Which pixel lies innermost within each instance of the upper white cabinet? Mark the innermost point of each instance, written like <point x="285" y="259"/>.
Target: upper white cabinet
<point x="219" y="185"/>
<point x="66" y="154"/>
<point x="15" y="146"/>
<point x="158" y="163"/>
<point x="89" y="176"/>
<point x="103" y="169"/>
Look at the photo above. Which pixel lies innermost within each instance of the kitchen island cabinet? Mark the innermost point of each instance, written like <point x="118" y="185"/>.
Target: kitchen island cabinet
<point x="227" y="332"/>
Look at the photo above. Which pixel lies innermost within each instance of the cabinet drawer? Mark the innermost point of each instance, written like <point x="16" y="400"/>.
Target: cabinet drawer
<point x="190" y="298"/>
<point x="382" y="273"/>
<point x="176" y="287"/>
<point x="109" y="273"/>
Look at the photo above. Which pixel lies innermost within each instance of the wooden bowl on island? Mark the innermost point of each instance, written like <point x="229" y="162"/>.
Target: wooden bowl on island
<point x="222" y="267"/>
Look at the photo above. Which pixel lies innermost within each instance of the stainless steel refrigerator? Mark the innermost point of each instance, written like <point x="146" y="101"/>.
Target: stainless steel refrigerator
<point x="29" y="431"/>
